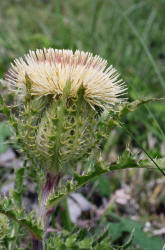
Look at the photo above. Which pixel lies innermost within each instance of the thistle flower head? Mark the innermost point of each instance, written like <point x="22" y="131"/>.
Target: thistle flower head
<point x="57" y="94"/>
<point x="50" y="70"/>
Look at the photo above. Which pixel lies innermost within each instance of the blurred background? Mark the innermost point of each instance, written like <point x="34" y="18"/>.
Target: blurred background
<point x="130" y="34"/>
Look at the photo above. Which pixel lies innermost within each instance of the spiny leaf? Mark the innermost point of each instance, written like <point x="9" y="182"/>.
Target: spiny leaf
<point x="132" y="106"/>
<point x="72" y="240"/>
<point x="100" y="167"/>
<point x="83" y="179"/>
<point x="126" y="161"/>
<point x="101" y="237"/>
<point x="83" y="232"/>
<point x="18" y="187"/>
<point x="7" y="207"/>
<point x="129" y="241"/>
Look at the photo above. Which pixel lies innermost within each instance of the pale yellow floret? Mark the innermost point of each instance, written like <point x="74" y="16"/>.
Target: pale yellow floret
<point x="51" y="69"/>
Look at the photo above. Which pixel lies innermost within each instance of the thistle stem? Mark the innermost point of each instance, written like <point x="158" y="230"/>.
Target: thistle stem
<point x="52" y="182"/>
<point x="37" y="244"/>
<point x="14" y="235"/>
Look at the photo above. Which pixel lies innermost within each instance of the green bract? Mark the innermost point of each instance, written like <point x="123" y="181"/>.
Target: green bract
<point x="56" y="131"/>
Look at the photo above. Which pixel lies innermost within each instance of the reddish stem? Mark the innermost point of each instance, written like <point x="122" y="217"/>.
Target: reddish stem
<point x="37" y="245"/>
<point x="52" y="182"/>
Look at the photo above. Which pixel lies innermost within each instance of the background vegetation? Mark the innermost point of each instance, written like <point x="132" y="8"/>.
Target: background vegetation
<point x="130" y="34"/>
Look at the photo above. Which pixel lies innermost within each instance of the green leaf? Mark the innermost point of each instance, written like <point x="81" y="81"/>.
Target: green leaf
<point x="18" y="187"/>
<point x="70" y="240"/>
<point x="65" y="216"/>
<point x="139" y="237"/>
<point x="146" y="242"/>
<point x="128" y="225"/>
<point x="100" y="168"/>
<point x="103" y="185"/>
<point x="126" y="161"/>
<point x="85" y="244"/>
<point x="105" y="245"/>
<point x="1" y="102"/>
<point x="115" y="230"/>
<point x="5" y="131"/>
<point x="82" y="234"/>
<point x="100" y="238"/>
<point x="129" y="241"/>
<point x="132" y="106"/>
<point x="8" y="208"/>
<point x="4" y="230"/>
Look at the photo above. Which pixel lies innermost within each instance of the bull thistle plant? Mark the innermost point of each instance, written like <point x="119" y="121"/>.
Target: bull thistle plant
<point x="63" y="104"/>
